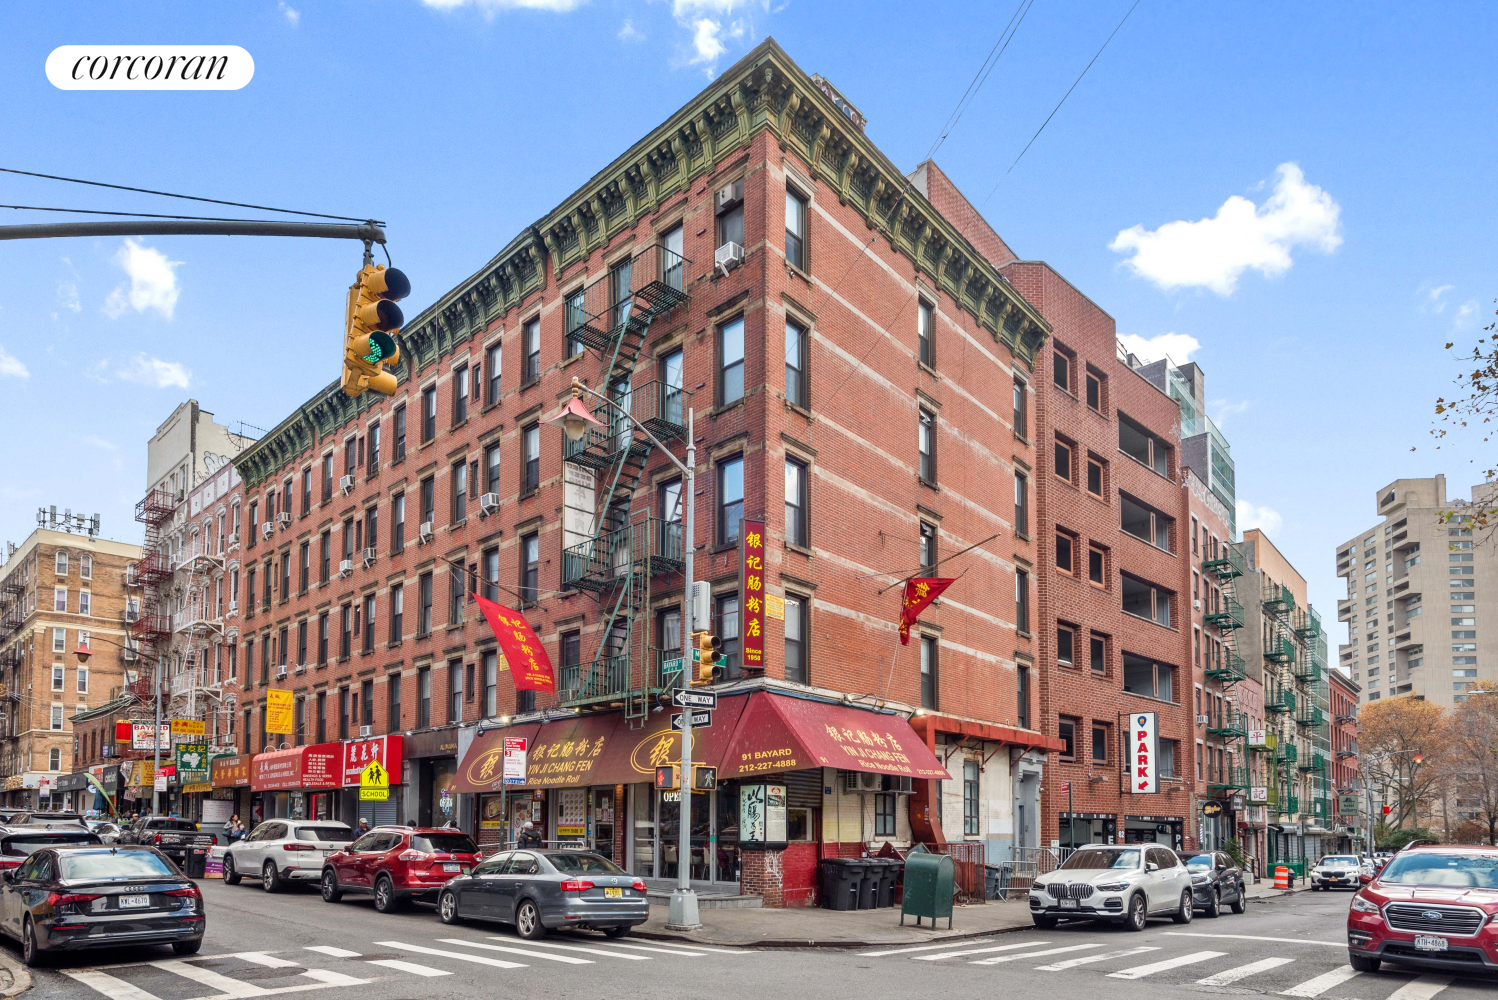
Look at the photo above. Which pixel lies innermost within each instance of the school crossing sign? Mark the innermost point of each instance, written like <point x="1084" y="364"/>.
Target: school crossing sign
<point x="374" y="783"/>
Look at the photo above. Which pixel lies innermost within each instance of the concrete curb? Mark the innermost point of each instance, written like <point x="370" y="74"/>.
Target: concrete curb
<point x="15" y="978"/>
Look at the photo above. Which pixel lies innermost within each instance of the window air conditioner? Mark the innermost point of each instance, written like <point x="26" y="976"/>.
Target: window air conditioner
<point x="345" y="567"/>
<point x="862" y="781"/>
<point x="284" y="520"/>
<point x="488" y="503"/>
<point x="424" y="534"/>
<point x="266" y="529"/>
<point x="1202" y="720"/>
<point x="366" y="731"/>
<point x="346" y="484"/>
<point x="368" y="556"/>
<point x="729" y="195"/>
<point x="233" y="539"/>
<point x="1196" y="604"/>
<point x="727" y="257"/>
<point x="233" y="607"/>
<point x="301" y="667"/>
<point x="281" y="672"/>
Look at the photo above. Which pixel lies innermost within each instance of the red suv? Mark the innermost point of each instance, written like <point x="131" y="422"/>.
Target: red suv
<point x="398" y="864"/>
<point x="1431" y="905"/>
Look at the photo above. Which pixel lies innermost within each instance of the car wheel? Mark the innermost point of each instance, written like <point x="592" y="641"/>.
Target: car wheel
<point x="1138" y="914"/>
<point x="1214" y="907"/>
<point x="231" y="877"/>
<point x="330" y="891"/>
<point x="31" y="954"/>
<point x="528" y="921"/>
<point x="1240" y="901"/>
<point x="447" y="907"/>
<point x="616" y="932"/>
<point x="1184" y="910"/>
<point x="188" y="947"/>
<point x="1314" y="887"/>
<point x="1358" y="963"/>
<point x="270" y="879"/>
<point x="1044" y="923"/>
<point x="385" y="899"/>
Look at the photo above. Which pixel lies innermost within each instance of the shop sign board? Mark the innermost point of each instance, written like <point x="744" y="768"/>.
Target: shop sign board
<point x="762" y="815"/>
<point x="1144" y="738"/>
<point x="1348" y="804"/>
<point x="279" y="711"/>
<point x="357" y="754"/>
<point x="752" y="591"/>
<point x="232" y="771"/>
<point x="184" y="730"/>
<point x="143" y="736"/>
<point x="1258" y="794"/>
<point x="374" y="783"/>
<point x="191" y="762"/>
<point x="515" y="754"/>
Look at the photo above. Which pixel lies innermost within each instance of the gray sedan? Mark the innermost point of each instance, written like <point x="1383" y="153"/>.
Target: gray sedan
<point x="539" y="891"/>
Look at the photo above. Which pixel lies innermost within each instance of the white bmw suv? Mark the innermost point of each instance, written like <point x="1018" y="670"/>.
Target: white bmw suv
<point x="280" y="852"/>
<point x="1124" y="883"/>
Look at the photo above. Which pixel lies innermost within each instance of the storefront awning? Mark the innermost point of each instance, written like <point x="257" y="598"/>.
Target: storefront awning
<point x="783" y="733"/>
<point x="481" y="769"/>
<point x="299" y="767"/>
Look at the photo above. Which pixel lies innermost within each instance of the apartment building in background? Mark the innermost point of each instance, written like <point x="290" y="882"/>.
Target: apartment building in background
<point x="1419" y="590"/>
<point x="1348" y="805"/>
<point x="189" y="447"/>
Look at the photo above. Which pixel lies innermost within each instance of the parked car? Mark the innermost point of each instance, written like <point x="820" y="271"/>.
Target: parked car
<point x="174" y="837"/>
<point x="19" y="843"/>
<point x="398" y="864"/>
<point x="1125" y="883"/>
<point x="1335" y="871"/>
<point x="46" y="819"/>
<point x="108" y="832"/>
<point x="1431" y="906"/>
<point x="539" y="891"/>
<point x="1215" y="882"/>
<point x="283" y="851"/>
<point x="97" y="896"/>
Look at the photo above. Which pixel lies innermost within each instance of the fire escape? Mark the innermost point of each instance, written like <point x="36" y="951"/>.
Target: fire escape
<point x="1225" y="666"/>
<point x="1279" y="658"/>
<point x="628" y="549"/>
<point x="12" y="617"/>
<point x="150" y="630"/>
<point x="1311" y="720"/>
<point x="196" y="626"/>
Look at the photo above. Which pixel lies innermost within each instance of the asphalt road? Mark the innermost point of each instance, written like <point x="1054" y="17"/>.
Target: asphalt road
<point x="261" y="945"/>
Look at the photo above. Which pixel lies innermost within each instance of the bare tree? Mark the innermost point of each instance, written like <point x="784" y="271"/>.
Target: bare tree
<point x="1471" y="758"/>
<point x="1409" y="733"/>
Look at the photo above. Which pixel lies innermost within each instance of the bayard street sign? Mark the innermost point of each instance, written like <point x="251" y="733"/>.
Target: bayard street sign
<point x="700" y="720"/>
<point x="695" y="699"/>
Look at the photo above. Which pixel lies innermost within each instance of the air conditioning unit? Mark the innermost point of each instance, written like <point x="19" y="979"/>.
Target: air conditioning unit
<point x="283" y="519"/>
<point x="301" y="668"/>
<point x="233" y="607"/>
<point x="727" y="257"/>
<point x="728" y="195"/>
<point x="424" y="533"/>
<point x="366" y="731"/>
<point x="368" y="556"/>
<point x="346" y="483"/>
<point x="345" y="567"/>
<point x="233" y="539"/>
<point x="266" y="529"/>
<point x="1202" y="720"/>
<point x="1196" y="604"/>
<point x="130" y="576"/>
<point x="281" y="672"/>
<point x="488" y="503"/>
<point x="862" y="781"/>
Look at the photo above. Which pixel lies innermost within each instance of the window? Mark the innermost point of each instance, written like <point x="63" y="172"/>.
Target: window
<point x="731" y="362"/>
<point x="926" y="332"/>
<point x="86" y="566"/>
<point x="1066" y="638"/>
<point x="1064" y="460"/>
<point x="304" y="567"/>
<point x="1094" y="390"/>
<point x="795" y="639"/>
<point x="343" y="713"/>
<point x="731" y="218"/>
<point x="56" y="717"/>
<point x="424" y="605"/>
<point x="1061" y="364"/>
<point x="530" y="568"/>
<point x="428" y="414"/>
<point x="324" y="556"/>
<point x="489" y="664"/>
<point x="428" y="500"/>
<point x="1022" y="600"/>
<point x="397" y="611"/>
<point x="393" y="703"/>
<point x="366" y="703"/>
<point x="82" y="673"/>
<point x="530" y="338"/>
<point x="423" y="697"/>
<point x="1145" y="522"/>
<point x="1094" y="475"/>
<point x="285" y="575"/>
<point x="730" y="499"/>
<point x="530" y="440"/>
<point x="928" y="671"/>
<point x="1167" y="758"/>
<point x="1065" y="552"/>
<point x="372" y="465"/>
<point x="60" y="563"/>
<point x="54" y="759"/>
<point x="928" y="547"/>
<point x="306" y="491"/>
<point x="59" y="598"/>
<point x="1095" y="566"/>
<point x="57" y="677"/>
<point x="460" y="394"/>
<point x="795" y="229"/>
<point x="1148" y="677"/>
<point x="322" y="643"/>
<point x="454" y="690"/>
<point x="884" y="814"/>
<point x="455" y="593"/>
<point x="491" y="468"/>
<point x="926" y="443"/>
<point x="493" y="359"/>
<point x="85" y="601"/>
<point x="796" y="350"/>
<point x="970" y="821"/>
<point x="1146" y="600"/>
<point x="351" y="448"/>
<point x="797" y="531"/>
<point x="255" y="512"/>
<point x="1067" y="731"/>
<point x="1021" y="504"/>
<point x="728" y="631"/>
<point x="460" y="492"/>
<point x="369" y="624"/>
<point x="1098" y="654"/>
<point x="398" y="523"/>
<point x="1022" y="695"/>
<point x="1140" y="444"/>
<point x="489" y="574"/>
<point x="398" y="446"/>
<point x="1021" y="409"/>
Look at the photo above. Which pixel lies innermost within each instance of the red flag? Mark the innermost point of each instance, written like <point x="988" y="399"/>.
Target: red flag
<point x="919" y="592"/>
<point x="530" y="667"/>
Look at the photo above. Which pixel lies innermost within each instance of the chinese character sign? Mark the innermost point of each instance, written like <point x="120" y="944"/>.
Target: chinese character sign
<point x="192" y="762"/>
<point x="279" y="711"/>
<point x="1145" y="753"/>
<point x="919" y="592"/>
<point x="752" y="592"/>
<point x="530" y="667"/>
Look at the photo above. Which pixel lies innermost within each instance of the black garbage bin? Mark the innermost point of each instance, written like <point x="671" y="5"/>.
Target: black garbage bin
<point x="868" y="882"/>
<point x="887" y="880"/>
<point x="840" y="884"/>
<point x="195" y="862"/>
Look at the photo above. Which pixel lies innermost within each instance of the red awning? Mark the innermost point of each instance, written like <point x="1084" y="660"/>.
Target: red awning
<point x="481" y="768"/>
<point x="781" y="733"/>
<point x="299" y="767"/>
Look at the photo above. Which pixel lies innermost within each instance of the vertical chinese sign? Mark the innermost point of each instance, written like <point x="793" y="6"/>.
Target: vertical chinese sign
<point x="752" y="594"/>
<point x="279" y="711"/>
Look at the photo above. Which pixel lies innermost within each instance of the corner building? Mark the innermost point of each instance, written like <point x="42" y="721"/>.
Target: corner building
<point x="848" y="355"/>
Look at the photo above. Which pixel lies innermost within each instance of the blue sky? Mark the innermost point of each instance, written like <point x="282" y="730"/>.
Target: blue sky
<point x="1341" y="155"/>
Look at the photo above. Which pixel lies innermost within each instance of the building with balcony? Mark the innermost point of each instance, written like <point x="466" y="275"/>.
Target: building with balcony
<point x="1348" y="805"/>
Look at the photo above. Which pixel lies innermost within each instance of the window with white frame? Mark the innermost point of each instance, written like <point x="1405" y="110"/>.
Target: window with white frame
<point x="54" y="759"/>
<point x="56" y="717"/>
<point x="57" y="678"/>
<point x="59" y="640"/>
<point x="86" y="566"/>
<point x="85" y="601"/>
<point x="59" y="598"/>
<point x="61" y="564"/>
<point x="83" y="680"/>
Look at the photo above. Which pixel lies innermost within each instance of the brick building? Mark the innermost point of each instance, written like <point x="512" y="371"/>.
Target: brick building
<point x="1349" y="803"/>
<point x="59" y="591"/>
<point x="842" y="360"/>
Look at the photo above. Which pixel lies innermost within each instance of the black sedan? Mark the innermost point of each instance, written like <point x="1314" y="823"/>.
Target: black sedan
<point x="99" y="896"/>
<point x="1215" y="882"/>
<point x="538" y="891"/>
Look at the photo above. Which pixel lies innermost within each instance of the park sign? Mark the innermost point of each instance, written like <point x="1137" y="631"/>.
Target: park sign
<point x="1144" y="765"/>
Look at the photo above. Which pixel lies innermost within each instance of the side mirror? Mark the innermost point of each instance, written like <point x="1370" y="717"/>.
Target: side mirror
<point x="1150" y="866"/>
<point x="1365" y="878"/>
<point x="8" y="874"/>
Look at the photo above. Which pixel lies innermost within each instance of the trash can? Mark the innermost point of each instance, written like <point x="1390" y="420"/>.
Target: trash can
<point x="841" y="884"/>
<point x="887" y="879"/>
<point x="997" y="878"/>
<point x="866" y="871"/>
<point x="930" y="883"/>
<point x="195" y="862"/>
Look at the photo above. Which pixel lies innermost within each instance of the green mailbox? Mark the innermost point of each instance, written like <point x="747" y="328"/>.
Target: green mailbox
<point x="930" y="884"/>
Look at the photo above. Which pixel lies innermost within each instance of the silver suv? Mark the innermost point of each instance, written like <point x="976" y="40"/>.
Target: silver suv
<point x="282" y="851"/>
<point x="1124" y="883"/>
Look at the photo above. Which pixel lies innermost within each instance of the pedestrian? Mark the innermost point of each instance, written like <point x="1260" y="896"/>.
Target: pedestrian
<point x="528" y="836"/>
<point x="363" y="827"/>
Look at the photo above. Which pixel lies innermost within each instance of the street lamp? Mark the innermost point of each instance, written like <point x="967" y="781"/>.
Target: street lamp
<point x="576" y="420"/>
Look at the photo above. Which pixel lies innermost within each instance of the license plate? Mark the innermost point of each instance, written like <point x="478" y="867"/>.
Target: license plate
<point x="1430" y="942"/>
<point x="613" y="894"/>
<point x="1070" y="904"/>
<point x="452" y="868"/>
<point x="133" y="902"/>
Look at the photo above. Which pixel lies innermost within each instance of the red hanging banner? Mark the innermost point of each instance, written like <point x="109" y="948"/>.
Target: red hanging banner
<point x="752" y="589"/>
<point x="919" y="592"/>
<point x="530" y="667"/>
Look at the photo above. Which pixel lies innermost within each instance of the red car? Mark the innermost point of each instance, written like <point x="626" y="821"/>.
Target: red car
<point x="398" y="864"/>
<point x="1431" y="905"/>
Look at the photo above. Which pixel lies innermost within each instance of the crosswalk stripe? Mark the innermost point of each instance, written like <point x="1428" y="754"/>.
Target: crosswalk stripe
<point x="907" y="951"/>
<point x="1258" y="937"/>
<point x="564" y="959"/>
<point x="325" y="977"/>
<point x="977" y="951"/>
<point x="1421" y="988"/>
<point x="327" y="949"/>
<point x="1322" y="983"/>
<point x="230" y="988"/>
<point x="261" y="958"/>
<point x="411" y="967"/>
<point x="582" y="948"/>
<point x="1071" y="963"/>
<point x="497" y="963"/>
<point x="1243" y="971"/>
<point x="667" y="950"/>
<point x="1032" y="954"/>
<point x="103" y="982"/>
<point x="1140" y="971"/>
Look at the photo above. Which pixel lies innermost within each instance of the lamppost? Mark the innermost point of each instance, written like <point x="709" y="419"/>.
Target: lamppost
<point x="575" y="421"/>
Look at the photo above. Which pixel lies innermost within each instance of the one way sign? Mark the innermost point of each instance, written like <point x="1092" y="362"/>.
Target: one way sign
<point x="695" y="699"/>
<point x="700" y="720"/>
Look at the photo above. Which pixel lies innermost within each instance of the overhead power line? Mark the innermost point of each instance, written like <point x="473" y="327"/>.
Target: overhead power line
<point x="137" y="215"/>
<point x="981" y="77"/>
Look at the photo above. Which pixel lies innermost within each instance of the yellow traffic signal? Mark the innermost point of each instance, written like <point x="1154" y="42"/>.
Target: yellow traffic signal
<point x="666" y="776"/>
<point x="710" y="657"/>
<point x="371" y="322"/>
<point x="704" y="777"/>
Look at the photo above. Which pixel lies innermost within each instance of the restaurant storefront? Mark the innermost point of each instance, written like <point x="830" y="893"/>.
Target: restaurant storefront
<point x="297" y="783"/>
<point x="431" y="765"/>
<point x="230" y="777"/>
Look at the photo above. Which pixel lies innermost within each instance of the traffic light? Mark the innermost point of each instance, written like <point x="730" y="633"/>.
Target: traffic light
<point x="371" y="321"/>
<point x="704" y="778"/>
<point x="709" y="649"/>
<point x="665" y="776"/>
<point x="1386" y="810"/>
<point x="1419" y="758"/>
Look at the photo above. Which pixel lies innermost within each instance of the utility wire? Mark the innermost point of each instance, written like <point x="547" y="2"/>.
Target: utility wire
<point x="138" y="215"/>
<point x="981" y="77"/>
<point x="188" y="197"/>
<point x="1059" y="103"/>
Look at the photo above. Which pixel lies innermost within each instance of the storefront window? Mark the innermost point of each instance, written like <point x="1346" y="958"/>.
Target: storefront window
<point x="728" y="832"/>
<point x="670" y="813"/>
<point x="643" y="811"/>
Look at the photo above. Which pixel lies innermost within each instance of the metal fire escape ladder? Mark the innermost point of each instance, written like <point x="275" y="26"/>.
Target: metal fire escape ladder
<point x="1227" y="669"/>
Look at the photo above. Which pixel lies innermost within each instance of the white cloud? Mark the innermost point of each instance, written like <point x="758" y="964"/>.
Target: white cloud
<point x="629" y="33"/>
<point x="1221" y="409"/>
<point x="1212" y="253"/>
<point x="153" y="282"/>
<point x="155" y="373"/>
<point x="1177" y="346"/>
<point x="292" y="15"/>
<point x="1266" y="519"/>
<point x="1464" y="312"/>
<point x="1433" y="297"/>
<point x="707" y="46"/>
<point x="11" y="366"/>
<point x="490" y="6"/>
<point x="686" y="10"/>
<point x="95" y="441"/>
